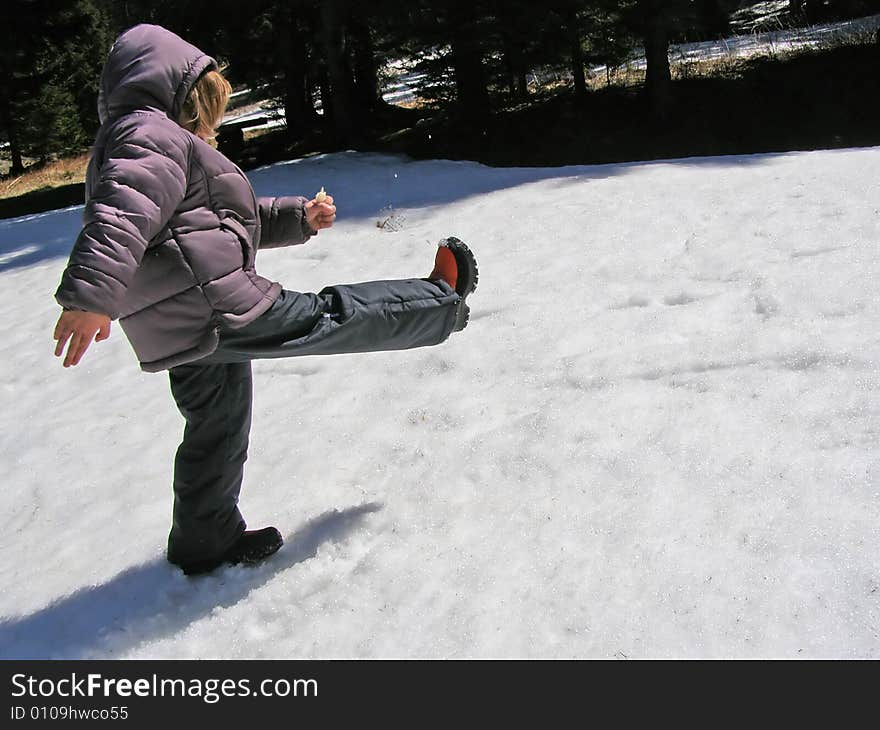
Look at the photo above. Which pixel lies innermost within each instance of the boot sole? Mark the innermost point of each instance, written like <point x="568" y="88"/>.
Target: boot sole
<point x="468" y="276"/>
<point x="468" y="272"/>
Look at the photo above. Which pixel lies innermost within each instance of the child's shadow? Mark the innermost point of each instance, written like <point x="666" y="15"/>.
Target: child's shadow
<point x="155" y="599"/>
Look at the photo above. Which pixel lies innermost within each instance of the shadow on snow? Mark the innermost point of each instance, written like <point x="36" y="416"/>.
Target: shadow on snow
<point x="153" y="600"/>
<point x="363" y="185"/>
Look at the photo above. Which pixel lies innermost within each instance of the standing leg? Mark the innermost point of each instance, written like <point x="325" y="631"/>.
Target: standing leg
<point x="215" y="401"/>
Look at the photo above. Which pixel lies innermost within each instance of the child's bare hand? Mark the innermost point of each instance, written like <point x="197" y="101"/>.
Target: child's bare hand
<point x="320" y="215"/>
<point x="80" y="328"/>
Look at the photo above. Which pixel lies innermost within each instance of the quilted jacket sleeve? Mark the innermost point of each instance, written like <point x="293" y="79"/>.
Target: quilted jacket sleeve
<point x="139" y="182"/>
<point x="283" y="221"/>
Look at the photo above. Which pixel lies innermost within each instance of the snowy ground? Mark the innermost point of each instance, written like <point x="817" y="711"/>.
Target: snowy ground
<point x="826" y="35"/>
<point x="657" y="438"/>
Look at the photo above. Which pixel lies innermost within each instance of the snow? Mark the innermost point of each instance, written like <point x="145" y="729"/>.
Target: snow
<point x="404" y="82"/>
<point x="256" y="114"/>
<point x="658" y="437"/>
<point x="767" y="43"/>
<point x="402" y="88"/>
<point x="826" y="35"/>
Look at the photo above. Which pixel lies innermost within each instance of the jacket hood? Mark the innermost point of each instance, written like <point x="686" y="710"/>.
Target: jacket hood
<point x="149" y="67"/>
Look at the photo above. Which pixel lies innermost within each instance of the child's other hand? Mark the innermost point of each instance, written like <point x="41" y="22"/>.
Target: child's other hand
<point x="80" y="328"/>
<point x="320" y="215"/>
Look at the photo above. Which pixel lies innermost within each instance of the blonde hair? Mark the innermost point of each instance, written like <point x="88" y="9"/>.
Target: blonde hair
<point x="205" y="105"/>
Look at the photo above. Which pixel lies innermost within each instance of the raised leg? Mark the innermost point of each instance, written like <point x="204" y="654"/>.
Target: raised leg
<point x="367" y="317"/>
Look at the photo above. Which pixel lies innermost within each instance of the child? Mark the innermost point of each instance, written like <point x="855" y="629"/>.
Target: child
<point x="170" y="234"/>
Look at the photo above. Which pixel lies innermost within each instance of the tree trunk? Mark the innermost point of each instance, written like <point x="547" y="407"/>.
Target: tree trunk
<point x="510" y="67"/>
<point x="364" y="65"/>
<point x="333" y="41"/>
<point x="517" y="84"/>
<point x="470" y="82"/>
<point x="14" y="145"/>
<point x="326" y="98"/>
<point x="577" y="63"/>
<point x="313" y="90"/>
<point x="297" y="101"/>
<point x="295" y="112"/>
<point x="522" y="86"/>
<point x="515" y="68"/>
<point x="467" y="62"/>
<point x="658" y="77"/>
<point x="15" y="150"/>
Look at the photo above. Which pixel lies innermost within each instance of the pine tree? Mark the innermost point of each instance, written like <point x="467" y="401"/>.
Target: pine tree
<point x="609" y="40"/>
<point x="49" y="68"/>
<point x="661" y="22"/>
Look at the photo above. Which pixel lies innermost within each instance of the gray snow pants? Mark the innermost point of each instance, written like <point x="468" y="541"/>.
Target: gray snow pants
<point x="214" y="394"/>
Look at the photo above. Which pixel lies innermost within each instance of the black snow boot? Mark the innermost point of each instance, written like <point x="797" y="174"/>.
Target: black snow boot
<point x="456" y="264"/>
<point x="252" y="547"/>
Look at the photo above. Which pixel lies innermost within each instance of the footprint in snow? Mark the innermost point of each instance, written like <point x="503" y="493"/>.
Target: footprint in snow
<point x="633" y="301"/>
<point x="679" y="300"/>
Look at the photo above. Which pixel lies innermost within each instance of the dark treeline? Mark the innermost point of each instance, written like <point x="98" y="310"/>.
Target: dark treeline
<point x="324" y="60"/>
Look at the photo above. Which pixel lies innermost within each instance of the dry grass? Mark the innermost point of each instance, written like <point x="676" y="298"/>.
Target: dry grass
<point x="52" y="175"/>
<point x="727" y="66"/>
<point x="624" y="76"/>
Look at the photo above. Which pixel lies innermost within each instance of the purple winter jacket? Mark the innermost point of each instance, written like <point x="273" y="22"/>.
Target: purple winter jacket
<point x="171" y="227"/>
